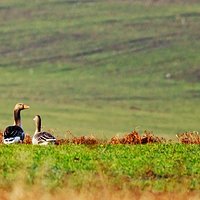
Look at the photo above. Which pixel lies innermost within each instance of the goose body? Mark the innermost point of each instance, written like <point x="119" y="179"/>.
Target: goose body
<point x="15" y="133"/>
<point x="41" y="137"/>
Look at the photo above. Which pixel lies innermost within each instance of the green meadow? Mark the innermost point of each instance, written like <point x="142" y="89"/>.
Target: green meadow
<point x="101" y="67"/>
<point x="156" y="167"/>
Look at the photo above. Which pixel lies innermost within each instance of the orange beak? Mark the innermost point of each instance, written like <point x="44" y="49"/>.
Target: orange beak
<point x="26" y="106"/>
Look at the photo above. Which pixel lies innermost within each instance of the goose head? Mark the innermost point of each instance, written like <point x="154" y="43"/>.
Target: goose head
<point x="21" y="106"/>
<point x="37" y="118"/>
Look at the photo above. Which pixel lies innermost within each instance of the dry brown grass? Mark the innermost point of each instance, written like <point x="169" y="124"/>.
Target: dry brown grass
<point x="192" y="137"/>
<point x="134" y="137"/>
<point x="1" y="137"/>
<point x="20" y="192"/>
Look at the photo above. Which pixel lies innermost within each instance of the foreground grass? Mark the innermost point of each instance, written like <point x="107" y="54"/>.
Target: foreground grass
<point x="100" y="67"/>
<point x="155" y="167"/>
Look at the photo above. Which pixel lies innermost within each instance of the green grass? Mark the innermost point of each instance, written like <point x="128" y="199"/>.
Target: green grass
<point x="100" y="67"/>
<point x="157" y="167"/>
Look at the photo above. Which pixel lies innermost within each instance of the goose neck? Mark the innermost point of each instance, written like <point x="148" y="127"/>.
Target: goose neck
<point x="37" y="125"/>
<point x="17" y="117"/>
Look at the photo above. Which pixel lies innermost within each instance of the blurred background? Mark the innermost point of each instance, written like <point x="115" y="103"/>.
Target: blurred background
<point x="101" y="67"/>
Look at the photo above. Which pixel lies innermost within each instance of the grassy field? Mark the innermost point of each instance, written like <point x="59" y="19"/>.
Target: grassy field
<point x="155" y="167"/>
<point x="101" y="67"/>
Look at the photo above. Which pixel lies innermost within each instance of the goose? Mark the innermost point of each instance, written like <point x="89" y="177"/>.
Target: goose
<point x="41" y="137"/>
<point x="15" y="133"/>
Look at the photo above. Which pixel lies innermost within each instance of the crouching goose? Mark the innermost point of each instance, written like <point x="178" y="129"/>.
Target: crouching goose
<point x="15" y="133"/>
<point x="41" y="137"/>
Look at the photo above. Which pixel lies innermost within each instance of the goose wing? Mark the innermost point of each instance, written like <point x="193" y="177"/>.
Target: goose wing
<point x="44" y="137"/>
<point x="13" y="131"/>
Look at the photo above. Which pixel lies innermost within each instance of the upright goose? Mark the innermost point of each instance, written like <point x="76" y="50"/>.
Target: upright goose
<point x="41" y="137"/>
<point x="15" y="133"/>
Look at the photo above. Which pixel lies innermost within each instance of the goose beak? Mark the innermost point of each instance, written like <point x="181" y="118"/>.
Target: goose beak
<point x="26" y="106"/>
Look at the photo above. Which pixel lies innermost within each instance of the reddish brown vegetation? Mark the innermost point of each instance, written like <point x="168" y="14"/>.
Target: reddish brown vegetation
<point x="28" y="139"/>
<point x="78" y="140"/>
<point x="85" y="140"/>
<point x="135" y="138"/>
<point x="62" y="141"/>
<point x="132" y="138"/>
<point x="189" y="138"/>
<point x="1" y="137"/>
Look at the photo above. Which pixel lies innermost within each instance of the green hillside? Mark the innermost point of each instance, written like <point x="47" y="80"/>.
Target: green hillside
<point x="101" y="67"/>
